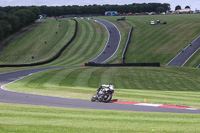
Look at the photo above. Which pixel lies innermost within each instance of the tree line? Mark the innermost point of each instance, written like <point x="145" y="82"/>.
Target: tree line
<point x="179" y="7"/>
<point x="101" y="9"/>
<point x="14" y="18"/>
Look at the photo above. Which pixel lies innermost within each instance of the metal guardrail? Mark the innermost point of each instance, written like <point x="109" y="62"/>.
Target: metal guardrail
<point x="127" y="43"/>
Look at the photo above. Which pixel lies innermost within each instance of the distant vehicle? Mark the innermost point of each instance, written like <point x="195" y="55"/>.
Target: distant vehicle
<point x="152" y="13"/>
<point x="111" y="13"/>
<point x="122" y="18"/>
<point x="152" y="22"/>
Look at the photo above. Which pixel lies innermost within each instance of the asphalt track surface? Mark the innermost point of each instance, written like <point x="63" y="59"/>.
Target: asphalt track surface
<point x="7" y="96"/>
<point x="186" y="53"/>
<point x="112" y="44"/>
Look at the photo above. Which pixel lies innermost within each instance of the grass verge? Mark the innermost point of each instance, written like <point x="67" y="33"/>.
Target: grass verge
<point x="194" y="61"/>
<point x="22" y="49"/>
<point x="27" y="118"/>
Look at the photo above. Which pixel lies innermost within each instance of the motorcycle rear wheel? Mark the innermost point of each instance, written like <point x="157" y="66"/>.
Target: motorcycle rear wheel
<point x="108" y="98"/>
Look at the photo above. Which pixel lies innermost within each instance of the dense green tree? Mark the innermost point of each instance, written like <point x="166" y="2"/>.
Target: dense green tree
<point x="160" y="9"/>
<point x="187" y="7"/>
<point x="2" y="14"/>
<point x="1" y="32"/>
<point x="26" y="16"/>
<point x="101" y="9"/>
<point x="6" y="27"/>
<point x="22" y="16"/>
<point x="36" y="11"/>
<point x="177" y="7"/>
<point x="13" y="20"/>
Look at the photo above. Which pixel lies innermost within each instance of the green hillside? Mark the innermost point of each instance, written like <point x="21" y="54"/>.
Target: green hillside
<point x="33" y="43"/>
<point x="158" y="43"/>
<point x="90" y="41"/>
<point x="194" y="61"/>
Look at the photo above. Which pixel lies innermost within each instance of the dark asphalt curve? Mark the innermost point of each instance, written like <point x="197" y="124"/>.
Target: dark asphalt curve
<point x="23" y="98"/>
<point x="112" y="44"/>
<point x="186" y="53"/>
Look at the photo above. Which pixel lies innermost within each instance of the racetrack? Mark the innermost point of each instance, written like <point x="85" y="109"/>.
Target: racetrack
<point x="186" y="53"/>
<point x="112" y="44"/>
<point x="22" y="98"/>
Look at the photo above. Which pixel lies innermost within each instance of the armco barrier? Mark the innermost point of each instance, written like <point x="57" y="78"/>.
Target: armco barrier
<point x="123" y="64"/>
<point x="127" y="43"/>
<point x="49" y="60"/>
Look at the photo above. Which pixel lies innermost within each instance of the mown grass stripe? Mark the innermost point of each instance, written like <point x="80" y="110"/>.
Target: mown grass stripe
<point x="84" y="44"/>
<point x="32" y="43"/>
<point x="72" y="51"/>
<point x="26" y="118"/>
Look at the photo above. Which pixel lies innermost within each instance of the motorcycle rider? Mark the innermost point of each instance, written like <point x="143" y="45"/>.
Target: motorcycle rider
<point x="110" y="86"/>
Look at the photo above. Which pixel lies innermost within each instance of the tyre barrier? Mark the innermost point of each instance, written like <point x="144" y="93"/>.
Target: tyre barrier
<point x="51" y="59"/>
<point x="126" y="46"/>
<point x="122" y="64"/>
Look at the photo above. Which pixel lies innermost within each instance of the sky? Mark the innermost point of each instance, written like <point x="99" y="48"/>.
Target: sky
<point x="194" y="4"/>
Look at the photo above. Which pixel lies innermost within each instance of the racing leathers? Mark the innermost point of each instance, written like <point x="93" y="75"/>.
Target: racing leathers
<point x="110" y="86"/>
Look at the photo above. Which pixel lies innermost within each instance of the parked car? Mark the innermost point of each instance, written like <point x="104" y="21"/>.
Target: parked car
<point x="152" y="22"/>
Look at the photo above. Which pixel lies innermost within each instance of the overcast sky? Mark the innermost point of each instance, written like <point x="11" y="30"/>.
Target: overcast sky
<point x="192" y="3"/>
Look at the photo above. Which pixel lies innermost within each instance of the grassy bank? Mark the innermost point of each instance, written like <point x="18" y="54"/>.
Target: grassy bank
<point x="170" y="85"/>
<point x="33" y="43"/>
<point x="90" y="41"/>
<point x="26" y="118"/>
<point x="159" y="43"/>
<point x="194" y="61"/>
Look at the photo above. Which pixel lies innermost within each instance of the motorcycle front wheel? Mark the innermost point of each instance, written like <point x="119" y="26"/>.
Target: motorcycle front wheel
<point x="94" y="98"/>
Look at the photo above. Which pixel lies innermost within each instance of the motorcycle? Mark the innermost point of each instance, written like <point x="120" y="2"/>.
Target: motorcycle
<point x="104" y="95"/>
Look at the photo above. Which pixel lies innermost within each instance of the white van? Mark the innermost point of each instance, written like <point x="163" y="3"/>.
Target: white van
<point x="152" y="22"/>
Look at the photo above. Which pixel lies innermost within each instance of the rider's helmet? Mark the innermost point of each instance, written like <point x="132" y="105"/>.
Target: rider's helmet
<point x="111" y="86"/>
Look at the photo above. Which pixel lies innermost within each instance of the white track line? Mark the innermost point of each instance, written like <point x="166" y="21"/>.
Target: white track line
<point x="149" y="104"/>
<point x="190" y="57"/>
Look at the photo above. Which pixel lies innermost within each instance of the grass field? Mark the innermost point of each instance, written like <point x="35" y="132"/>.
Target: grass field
<point x="90" y="41"/>
<point x="32" y="43"/>
<point x="26" y="118"/>
<point x="159" y="43"/>
<point x="194" y="61"/>
<point x="170" y="85"/>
